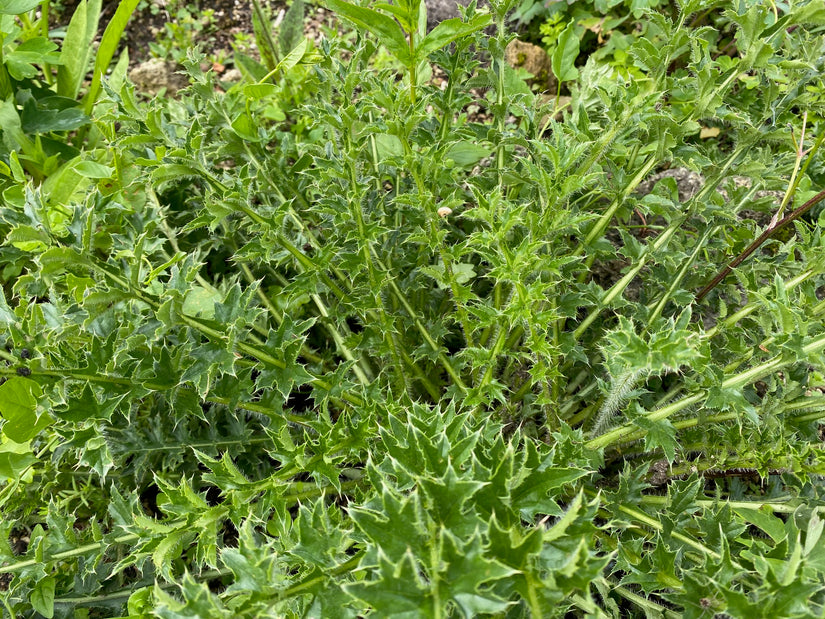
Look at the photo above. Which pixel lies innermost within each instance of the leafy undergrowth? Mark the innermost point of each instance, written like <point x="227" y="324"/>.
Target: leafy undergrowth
<point x="323" y="345"/>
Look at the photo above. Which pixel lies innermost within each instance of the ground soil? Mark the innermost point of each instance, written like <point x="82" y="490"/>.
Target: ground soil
<point x="232" y="17"/>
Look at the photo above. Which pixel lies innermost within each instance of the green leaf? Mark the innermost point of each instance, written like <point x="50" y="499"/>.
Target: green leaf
<point x="198" y="601"/>
<point x="42" y="597"/>
<point x="225" y="473"/>
<point x="108" y="46"/>
<point x="36" y="119"/>
<point x="403" y="12"/>
<point x="816" y="525"/>
<point x="385" y="28"/>
<point x="397" y="591"/>
<point x="294" y="56"/>
<point x="65" y="185"/>
<point x="28" y="239"/>
<point x="388" y="146"/>
<point x="292" y="27"/>
<point x="565" y="54"/>
<point x="92" y="169"/>
<point x="15" y="458"/>
<point x="20" y="60"/>
<point x="769" y="523"/>
<point x="812" y="13"/>
<point x="447" y="498"/>
<point x="77" y="48"/>
<point x="251" y="69"/>
<point x="59" y="259"/>
<point x="320" y="542"/>
<point x="257" y="92"/>
<point x="169" y="549"/>
<point x="467" y="154"/>
<point x="209" y="361"/>
<point x="16" y="7"/>
<point x="201" y="302"/>
<point x="246" y="127"/>
<point x="86" y="406"/>
<point x="7" y="317"/>
<point x="286" y="342"/>
<point x="448" y="31"/>
<point x="462" y="273"/>
<point x="18" y="406"/>
<point x="466" y="570"/>
<point x="561" y="525"/>
<point x="658" y="434"/>
<point x="531" y="495"/>
<point x="262" y="28"/>
<point x="391" y="525"/>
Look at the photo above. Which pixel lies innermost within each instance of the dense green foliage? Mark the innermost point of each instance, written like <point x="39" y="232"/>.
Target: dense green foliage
<point x="326" y="344"/>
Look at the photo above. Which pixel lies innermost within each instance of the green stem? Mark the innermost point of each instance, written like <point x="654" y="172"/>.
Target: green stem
<point x="651" y="522"/>
<point x="267" y="303"/>
<point x="587" y="605"/>
<point x="430" y="388"/>
<point x="599" y="227"/>
<point x="621" y="433"/>
<point x="413" y="68"/>
<point x="498" y="346"/>
<point x="69" y="554"/>
<point x="533" y="600"/>
<point x="751" y="307"/>
<point x="674" y="285"/>
<point x="623" y="283"/>
<point x="775" y="507"/>
<point x="360" y="368"/>
<point x="44" y="22"/>
<point x="254" y="351"/>
<point x="442" y="358"/>
<point x="302" y="259"/>
<point x="500" y="109"/>
<point x="310" y="584"/>
<point x="77" y="374"/>
<point x="446" y="259"/>
<point x="651" y="609"/>
<point x="263" y="20"/>
<point x="119" y="595"/>
<point x="6" y="89"/>
<point x="367" y="251"/>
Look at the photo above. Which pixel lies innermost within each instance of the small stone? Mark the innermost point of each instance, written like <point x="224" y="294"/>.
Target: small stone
<point x="156" y="74"/>
<point x="534" y="60"/>
<point x="233" y="75"/>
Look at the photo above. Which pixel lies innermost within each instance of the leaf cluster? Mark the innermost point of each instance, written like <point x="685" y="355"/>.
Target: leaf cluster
<point x="379" y="354"/>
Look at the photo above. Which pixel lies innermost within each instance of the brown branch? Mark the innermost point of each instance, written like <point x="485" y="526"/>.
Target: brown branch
<point x="768" y="233"/>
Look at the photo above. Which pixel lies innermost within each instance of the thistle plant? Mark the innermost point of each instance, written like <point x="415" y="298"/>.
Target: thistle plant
<point x="383" y="357"/>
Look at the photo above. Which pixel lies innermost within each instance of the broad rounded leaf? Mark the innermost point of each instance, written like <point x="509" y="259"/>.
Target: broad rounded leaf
<point x="567" y="50"/>
<point x="42" y="597"/>
<point x="467" y="153"/>
<point x="15" y="458"/>
<point x="91" y="169"/>
<point x="18" y="406"/>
